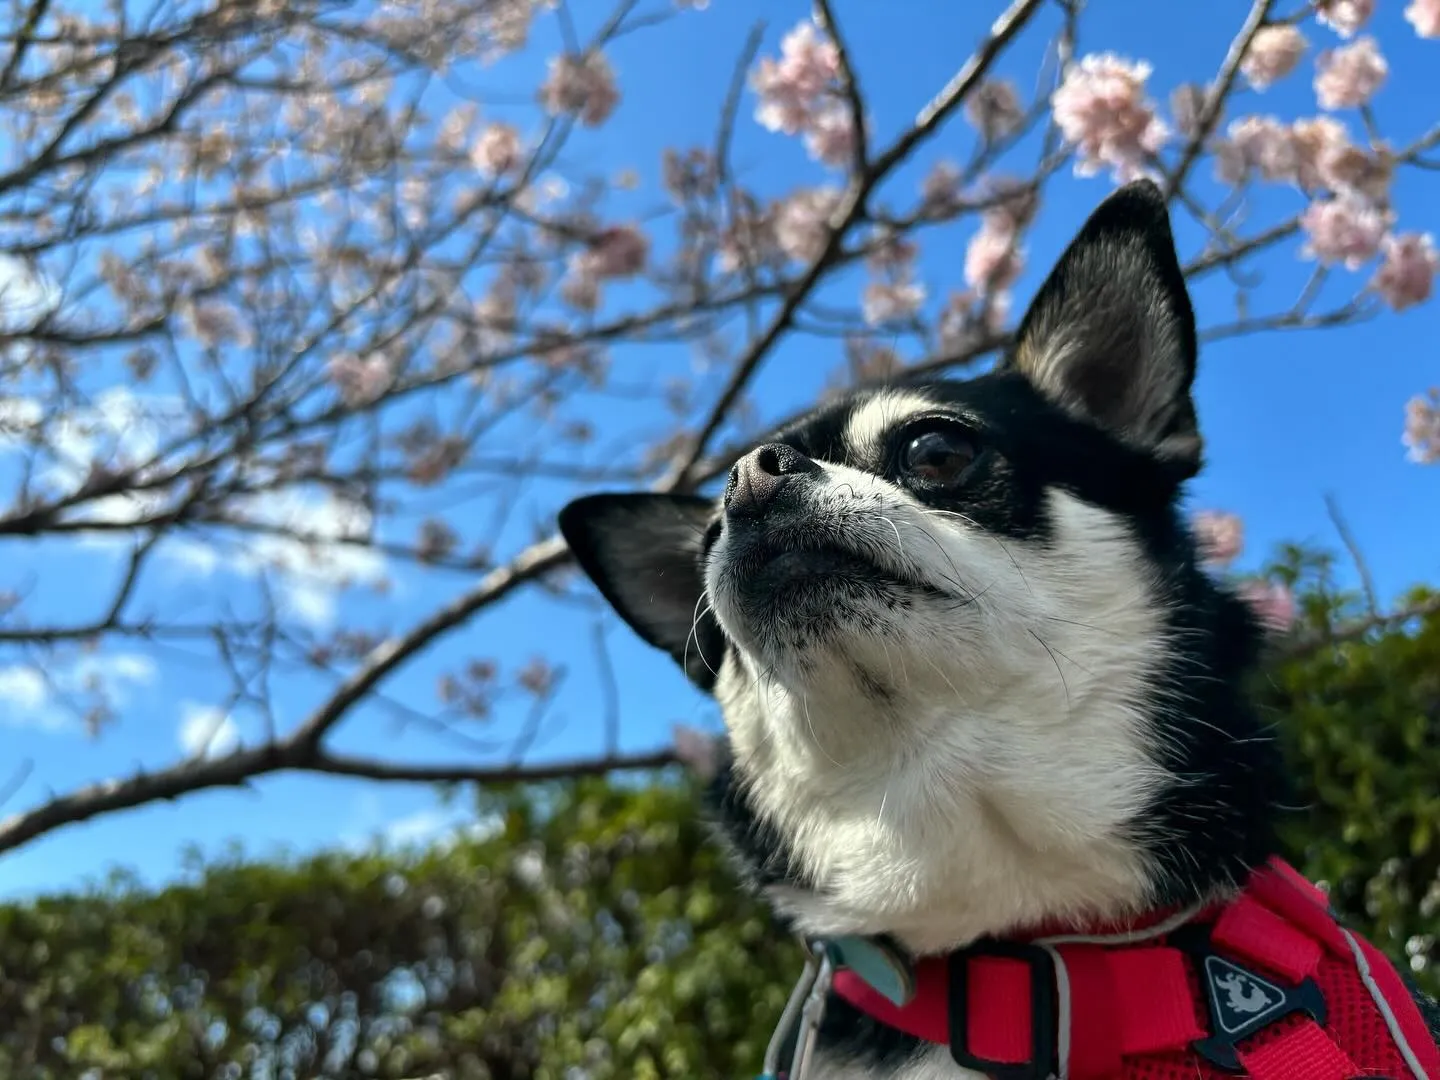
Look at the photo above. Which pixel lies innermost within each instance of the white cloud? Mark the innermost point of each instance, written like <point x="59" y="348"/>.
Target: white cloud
<point x="122" y="428"/>
<point x="25" y="696"/>
<point x="310" y="572"/>
<point x="29" y="698"/>
<point x="432" y="825"/>
<point x="206" y="731"/>
<point x="26" y="295"/>
<point x="117" y="429"/>
<point x="418" y="827"/>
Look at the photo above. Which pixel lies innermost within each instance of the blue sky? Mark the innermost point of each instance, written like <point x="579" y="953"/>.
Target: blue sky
<point x="1289" y="417"/>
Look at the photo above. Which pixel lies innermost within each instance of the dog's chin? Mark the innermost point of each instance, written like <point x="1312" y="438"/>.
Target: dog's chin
<point x="784" y="598"/>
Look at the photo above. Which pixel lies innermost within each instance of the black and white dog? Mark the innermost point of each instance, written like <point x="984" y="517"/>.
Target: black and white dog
<point x="973" y="676"/>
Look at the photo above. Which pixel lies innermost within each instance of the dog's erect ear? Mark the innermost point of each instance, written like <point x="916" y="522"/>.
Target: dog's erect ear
<point x="642" y="551"/>
<point x="1110" y="337"/>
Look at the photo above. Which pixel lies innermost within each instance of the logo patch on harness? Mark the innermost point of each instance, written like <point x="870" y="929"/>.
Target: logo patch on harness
<point x="1240" y="1000"/>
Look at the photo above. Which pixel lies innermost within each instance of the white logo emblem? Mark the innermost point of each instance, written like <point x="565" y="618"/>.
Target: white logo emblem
<point x="1239" y="997"/>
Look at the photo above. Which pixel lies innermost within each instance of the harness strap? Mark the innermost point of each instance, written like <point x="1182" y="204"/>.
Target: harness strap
<point x="1253" y="932"/>
<point x="1080" y="1008"/>
<point x="1303" y="1052"/>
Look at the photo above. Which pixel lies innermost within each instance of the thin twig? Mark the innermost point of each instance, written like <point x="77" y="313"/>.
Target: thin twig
<point x="1215" y="99"/>
<point x="1342" y="527"/>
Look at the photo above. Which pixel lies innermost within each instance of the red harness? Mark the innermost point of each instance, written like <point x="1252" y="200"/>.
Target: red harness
<point x="1267" y="986"/>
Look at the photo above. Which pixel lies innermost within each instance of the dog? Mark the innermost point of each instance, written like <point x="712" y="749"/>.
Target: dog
<point x="974" y="677"/>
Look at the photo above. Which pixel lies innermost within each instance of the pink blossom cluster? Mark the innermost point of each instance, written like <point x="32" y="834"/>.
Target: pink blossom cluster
<point x="1219" y="535"/>
<point x="497" y="150"/>
<point x="1344" y="16"/>
<point x="697" y="750"/>
<point x="994" y="257"/>
<point x="1346" y="229"/>
<point x="1407" y="270"/>
<point x="994" y="109"/>
<point x="1101" y="109"/>
<point x="360" y="381"/>
<point x="894" y="294"/>
<point x="1348" y="77"/>
<point x="799" y="95"/>
<point x="620" y="251"/>
<point x="1424" y="16"/>
<point x="1273" y="53"/>
<point x="1272" y="602"/>
<point x="1310" y="153"/>
<point x="582" y="86"/>
<point x="1351" y="226"/>
<point x="802" y="223"/>
<point x="1422" y="427"/>
<point x="1351" y="230"/>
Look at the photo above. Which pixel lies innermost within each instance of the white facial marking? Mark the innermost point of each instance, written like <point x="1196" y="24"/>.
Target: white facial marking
<point x="868" y="425"/>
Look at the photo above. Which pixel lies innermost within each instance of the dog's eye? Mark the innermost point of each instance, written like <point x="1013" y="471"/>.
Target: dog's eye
<point x="939" y="455"/>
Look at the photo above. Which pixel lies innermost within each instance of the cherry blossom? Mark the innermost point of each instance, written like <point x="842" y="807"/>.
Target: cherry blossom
<point x="698" y="751"/>
<point x="1261" y="143"/>
<point x="1273" y="54"/>
<point x="1344" y="16"/>
<point x="889" y="301"/>
<point x="1407" y="269"/>
<point x="1219" y="535"/>
<point x="1345" y="229"/>
<point x="582" y="86"/>
<point x="1424" y="15"/>
<point x="361" y="381"/>
<point x="1186" y="103"/>
<point x="802" y="223"/>
<point x="1101" y="108"/>
<point x="800" y="95"/>
<point x="497" y="151"/>
<point x="1348" y="77"/>
<point x="992" y="260"/>
<point x="789" y="88"/>
<point x="994" y="109"/>
<point x="830" y="134"/>
<point x="1345" y="167"/>
<point x="620" y="251"/>
<point x="940" y="193"/>
<point x="1273" y="603"/>
<point x="1422" y="428"/>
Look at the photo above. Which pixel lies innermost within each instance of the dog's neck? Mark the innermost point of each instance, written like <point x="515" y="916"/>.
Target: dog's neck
<point x="831" y="864"/>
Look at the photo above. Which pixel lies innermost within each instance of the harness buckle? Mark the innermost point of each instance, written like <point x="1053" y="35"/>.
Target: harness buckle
<point x="800" y="1022"/>
<point x="1239" y="1000"/>
<point x="1044" y="1010"/>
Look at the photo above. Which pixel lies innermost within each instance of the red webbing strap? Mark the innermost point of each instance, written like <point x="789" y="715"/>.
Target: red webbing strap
<point x="927" y="1016"/>
<point x="1299" y="903"/>
<point x="999" y="1015"/>
<point x="1307" y="888"/>
<point x="1096" y="1022"/>
<point x="1125" y="1002"/>
<point x="1255" y="933"/>
<point x="1303" y="1053"/>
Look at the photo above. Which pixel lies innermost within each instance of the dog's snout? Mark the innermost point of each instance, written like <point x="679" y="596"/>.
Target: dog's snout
<point x="758" y="477"/>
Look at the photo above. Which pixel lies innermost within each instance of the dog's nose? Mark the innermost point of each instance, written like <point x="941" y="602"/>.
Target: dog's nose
<point x="758" y="477"/>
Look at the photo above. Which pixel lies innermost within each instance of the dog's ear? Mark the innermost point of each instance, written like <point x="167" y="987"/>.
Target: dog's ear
<point x="643" y="552"/>
<point x="1110" y="336"/>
